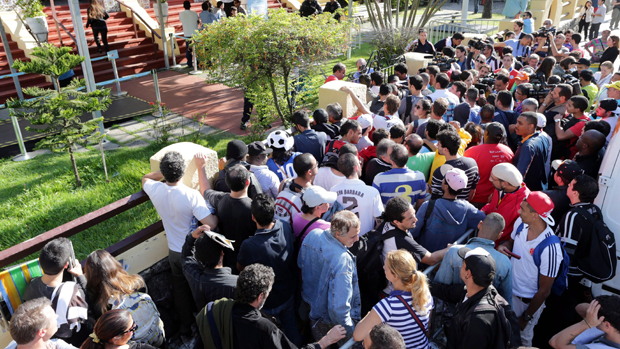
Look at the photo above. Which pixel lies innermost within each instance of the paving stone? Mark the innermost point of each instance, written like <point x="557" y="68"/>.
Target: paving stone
<point x="133" y="125"/>
<point x="120" y="135"/>
<point x="110" y="146"/>
<point x="137" y="144"/>
<point x="146" y="134"/>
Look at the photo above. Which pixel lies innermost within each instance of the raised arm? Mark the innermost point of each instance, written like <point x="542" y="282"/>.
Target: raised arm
<point x="356" y="101"/>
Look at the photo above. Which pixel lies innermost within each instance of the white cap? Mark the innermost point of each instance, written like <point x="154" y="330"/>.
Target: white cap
<point x="542" y="120"/>
<point x="365" y="120"/>
<point x="314" y="196"/>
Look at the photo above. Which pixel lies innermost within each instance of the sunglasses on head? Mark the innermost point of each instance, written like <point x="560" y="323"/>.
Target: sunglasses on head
<point x="133" y="328"/>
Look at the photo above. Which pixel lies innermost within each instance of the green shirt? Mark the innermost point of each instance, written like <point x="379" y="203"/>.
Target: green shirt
<point x="590" y="92"/>
<point x="422" y="163"/>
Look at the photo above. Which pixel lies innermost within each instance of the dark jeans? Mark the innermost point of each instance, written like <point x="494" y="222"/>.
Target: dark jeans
<point x="594" y="27"/>
<point x="227" y="7"/>
<point x="583" y="26"/>
<point x="104" y="38"/>
<point x="285" y="314"/>
<point x="188" y="54"/>
<point x="182" y="294"/>
<point x="247" y="109"/>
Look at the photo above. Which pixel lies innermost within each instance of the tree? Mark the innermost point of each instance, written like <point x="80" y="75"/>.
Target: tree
<point x="487" y="11"/>
<point x="275" y="54"/>
<point x="59" y="110"/>
<point x="392" y="33"/>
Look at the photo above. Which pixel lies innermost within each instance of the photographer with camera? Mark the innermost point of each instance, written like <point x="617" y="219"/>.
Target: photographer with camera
<point x="540" y="47"/>
<point x="464" y="62"/>
<point x="421" y="44"/>
<point x="520" y="47"/>
<point x="452" y="41"/>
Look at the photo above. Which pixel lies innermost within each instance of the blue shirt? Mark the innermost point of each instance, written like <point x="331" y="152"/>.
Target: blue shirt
<point x="518" y="50"/>
<point x="311" y="142"/>
<point x="330" y="282"/>
<point x="449" y="271"/>
<point x="285" y="170"/>
<point x="400" y="182"/>
<point x="528" y="24"/>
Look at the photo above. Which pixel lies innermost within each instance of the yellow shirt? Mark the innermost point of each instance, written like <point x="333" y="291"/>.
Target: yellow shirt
<point x="440" y="159"/>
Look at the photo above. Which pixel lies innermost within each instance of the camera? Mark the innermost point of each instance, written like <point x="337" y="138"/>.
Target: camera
<point x="476" y="44"/>
<point x="483" y="82"/>
<point x="544" y="32"/>
<point x="443" y="62"/>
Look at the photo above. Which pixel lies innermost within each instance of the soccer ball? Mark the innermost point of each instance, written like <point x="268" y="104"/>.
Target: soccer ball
<point x="280" y="139"/>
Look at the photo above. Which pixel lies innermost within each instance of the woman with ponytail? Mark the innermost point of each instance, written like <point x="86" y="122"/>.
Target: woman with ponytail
<point x="114" y="330"/>
<point x="109" y="286"/>
<point x="408" y="307"/>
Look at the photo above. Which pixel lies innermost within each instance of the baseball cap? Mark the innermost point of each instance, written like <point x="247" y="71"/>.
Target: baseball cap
<point x="522" y="76"/>
<point x="258" y="148"/>
<point x="456" y="179"/>
<point x="365" y="121"/>
<point x="509" y="173"/>
<point x="609" y="104"/>
<point x="236" y="149"/>
<point x="567" y="169"/>
<point x="480" y="263"/>
<point x="542" y="120"/>
<point x="615" y="85"/>
<point x="584" y="61"/>
<point x="542" y="204"/>
<point x="314" y="196"/>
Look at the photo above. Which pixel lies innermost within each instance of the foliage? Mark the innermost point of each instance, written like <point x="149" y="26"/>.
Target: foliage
<point x="30" y="8"/>
<point x="161" y="126"/>
<point x="59" y="111"/>
<point x="393" y="32"/>
<point x="270" y="53"/>
<point x="198" y="120"/>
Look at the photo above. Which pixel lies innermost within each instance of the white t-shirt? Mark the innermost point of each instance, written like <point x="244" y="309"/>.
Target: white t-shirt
<point x="524" y="272"/>
<point x="326" y="178"/>
<point x="361" y="199"/>
<point x="176" y="205"/>
<point x="385" y="122"/>
<point x="189" y="19"/>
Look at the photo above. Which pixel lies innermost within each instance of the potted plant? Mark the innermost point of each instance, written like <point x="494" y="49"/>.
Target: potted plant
<point x="32" y="11"/>
<point x="164" y="10"/>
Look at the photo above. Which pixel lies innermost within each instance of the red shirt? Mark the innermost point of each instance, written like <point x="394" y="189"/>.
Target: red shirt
<point x="487" y="156"/>
<point x="508" y="206"/>
<point x="577" y="129"/>
<point x="330" y="78"/>
<point x="368" y="153"/>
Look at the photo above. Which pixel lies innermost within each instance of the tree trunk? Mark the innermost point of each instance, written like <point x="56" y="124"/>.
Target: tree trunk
<point x="487" y="12"/>
<point x="274" y="94"/>
<point x="75" y="170"/>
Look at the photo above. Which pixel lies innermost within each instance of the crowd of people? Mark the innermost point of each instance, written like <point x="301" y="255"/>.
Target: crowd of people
<point x="315" y="236"/>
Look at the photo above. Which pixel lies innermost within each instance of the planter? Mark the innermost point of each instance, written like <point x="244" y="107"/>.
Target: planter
<point x="164" y="10"/>
<point x="38" y="27"/>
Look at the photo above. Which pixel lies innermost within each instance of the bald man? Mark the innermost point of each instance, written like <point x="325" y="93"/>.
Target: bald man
<point x="588" y="156"/>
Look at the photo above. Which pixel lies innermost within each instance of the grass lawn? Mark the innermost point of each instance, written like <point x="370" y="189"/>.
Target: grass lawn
<point x="39" y="195"/>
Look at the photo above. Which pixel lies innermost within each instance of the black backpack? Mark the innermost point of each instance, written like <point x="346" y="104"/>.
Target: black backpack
<point x="369" y="259"/>
<point x="508" y="320"/>
<point x="596" y="254"/>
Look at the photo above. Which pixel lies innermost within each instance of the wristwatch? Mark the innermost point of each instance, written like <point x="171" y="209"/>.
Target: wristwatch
<point x="544" y="104"/>
<point x="558" y="120"/>
<point x="527" y="317"/>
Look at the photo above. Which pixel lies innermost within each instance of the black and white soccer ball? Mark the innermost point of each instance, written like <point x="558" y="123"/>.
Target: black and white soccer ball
<point x="280" y="139"/>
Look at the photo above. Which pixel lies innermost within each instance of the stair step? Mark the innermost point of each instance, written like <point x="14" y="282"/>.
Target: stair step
<point x="112" y="37"/>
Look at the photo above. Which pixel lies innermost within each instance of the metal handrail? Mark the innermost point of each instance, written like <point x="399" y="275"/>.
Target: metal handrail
<point x="27" y="27"/>
<point x="135" y="29"/>
<point x="57" y="22"/>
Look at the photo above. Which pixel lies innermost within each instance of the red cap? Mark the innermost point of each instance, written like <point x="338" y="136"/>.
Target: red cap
<point x="542" y="204"/>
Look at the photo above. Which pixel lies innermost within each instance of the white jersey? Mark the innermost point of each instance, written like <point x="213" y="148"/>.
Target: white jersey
<point x="288" y="203"/>
<point x="326" y="178"/>
<point x="385" y="122"/>
<point x="525" y="273"/>
<point x="361" y="199"/>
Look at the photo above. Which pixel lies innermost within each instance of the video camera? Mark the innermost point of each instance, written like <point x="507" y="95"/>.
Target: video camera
<point x="483" y="82"/>
<point x="443" y="62"/>
<point x="476" y="44"/>
<point x="544" y="32"/>
<point x="541" y="88"/>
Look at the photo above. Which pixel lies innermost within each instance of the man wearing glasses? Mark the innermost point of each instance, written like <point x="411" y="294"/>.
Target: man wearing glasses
<point x="492" y="60"/>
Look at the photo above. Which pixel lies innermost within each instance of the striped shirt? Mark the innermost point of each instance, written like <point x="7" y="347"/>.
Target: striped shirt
<point x="468" y="165"/>
<point x="524" y="270"/>
<point x="404" y="182"/>
<point x="394" y="313"/>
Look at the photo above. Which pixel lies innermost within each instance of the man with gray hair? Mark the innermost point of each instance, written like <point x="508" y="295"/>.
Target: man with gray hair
<point x="426" y="78"/>
<point x="529" y="104"/>
<point x="330" y="281"/>
<point x="489" y="230"/>
<point x="33" y="325"/>
<point x="361" y="69"/>
<point x="334" y="113"/>
<point x="247" y="326"/>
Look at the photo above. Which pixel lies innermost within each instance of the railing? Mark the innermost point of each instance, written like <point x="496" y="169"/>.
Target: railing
<point x="60" y="25"/>
<point x="27" y="27"/>
<point x="443" y="28"/>
<point x="135" y="27"/>
<point x="26" y="248"/>
<point x="427" y="272"/>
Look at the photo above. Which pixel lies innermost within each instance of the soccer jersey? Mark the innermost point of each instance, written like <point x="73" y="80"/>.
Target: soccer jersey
<point x="386" y="122"/>
<point x="487" y="156"/>
<point x="525" y="273"/>
<point x="285" y="170"/>
<point x="400" y="182"/>
<point x="363" y="200"/>
<point x="288" y="203"/>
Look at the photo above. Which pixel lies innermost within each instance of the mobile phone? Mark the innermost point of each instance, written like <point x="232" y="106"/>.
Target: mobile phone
<point x="513" y="255"/>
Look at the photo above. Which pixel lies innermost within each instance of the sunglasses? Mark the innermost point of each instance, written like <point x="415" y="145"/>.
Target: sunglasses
<point x="481" y="62"/>
<point x="133" y="328"/>
<point x="418" y="107"/>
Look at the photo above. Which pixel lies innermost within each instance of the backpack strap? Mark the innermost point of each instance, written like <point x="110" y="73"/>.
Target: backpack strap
<point x="550" y="240"/>
<point x="409" y="105"/>
<point x="308" y="226"/>
<point x="215" y="333"/>
<point x="587" y="214"/>
<point x="520" y="228"/>
<point x="415" y="317"/>
<point x="427" y="214"/>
